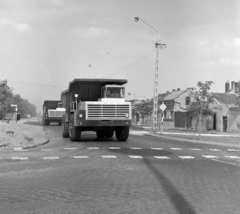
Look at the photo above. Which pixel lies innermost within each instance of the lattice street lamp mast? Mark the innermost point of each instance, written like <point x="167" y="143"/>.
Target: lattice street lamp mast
<point x="155" y="95"/>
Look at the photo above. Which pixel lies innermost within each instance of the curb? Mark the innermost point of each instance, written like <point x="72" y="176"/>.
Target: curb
<point x="34" y="146"/>
<point x="191" y="141"/>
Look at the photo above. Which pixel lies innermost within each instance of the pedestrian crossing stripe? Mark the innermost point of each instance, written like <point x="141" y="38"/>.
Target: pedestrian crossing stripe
<point x="217" y="150"/>
<point x="109" y="156"/>
<point x="46" y="149"/>
<point x="50" y="158"/>
<point x="233" y="150"/>
<point x="92" y="147"/>
<point x="114" y="147"/>
<point x="157" y="148"/>
<point x="162" y="157"/>
<point x="176" y="148"/>
<point x="135" y="148"/>
<point x="209" y="156"/>
<point x="80" y="156"/>
<point x="70" y="148"/>
<point x="195" y="149"/>
<point x="135" y="156"/>
<point x="186" y="157"/>
<point x="234" y="157"/>
<point x="19" y="158"/>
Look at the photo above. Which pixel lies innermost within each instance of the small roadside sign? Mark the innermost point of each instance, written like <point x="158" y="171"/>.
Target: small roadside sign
<point x="162" y="106"/>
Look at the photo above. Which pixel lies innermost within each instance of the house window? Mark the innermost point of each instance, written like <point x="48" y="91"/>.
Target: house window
<point x="187" y="101"/>
<point x="168" y="115"/>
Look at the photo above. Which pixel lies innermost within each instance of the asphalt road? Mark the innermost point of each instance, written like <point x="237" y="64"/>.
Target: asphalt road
<point x="143" y="175"/>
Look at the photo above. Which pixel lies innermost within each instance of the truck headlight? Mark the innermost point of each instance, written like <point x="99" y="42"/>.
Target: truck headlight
<point x="126" y="115"/>
<point x="80" y="115"/>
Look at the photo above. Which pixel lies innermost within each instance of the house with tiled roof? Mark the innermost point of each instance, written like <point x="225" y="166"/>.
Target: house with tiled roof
<point x="226" y="110"/>
<point x="174" y="116"/>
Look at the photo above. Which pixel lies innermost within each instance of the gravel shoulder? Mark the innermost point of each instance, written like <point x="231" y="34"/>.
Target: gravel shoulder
<point x="14" y="136"/>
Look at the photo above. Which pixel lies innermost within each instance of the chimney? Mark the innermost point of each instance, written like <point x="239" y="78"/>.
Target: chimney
<point x="173" y="90"/>
<point x="233" y="86"/>
<point x="178" y="89"/>
<point x="226" y="87"/>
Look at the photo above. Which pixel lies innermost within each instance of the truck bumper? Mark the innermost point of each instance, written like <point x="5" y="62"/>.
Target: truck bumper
<point x="53" y="119"/>
<point x="99" y="123"/>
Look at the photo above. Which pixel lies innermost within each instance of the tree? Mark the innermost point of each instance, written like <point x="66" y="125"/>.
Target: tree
<point x="6" y="97"/>
<point x="200" y="106"/>
<point x="144" y="109"/>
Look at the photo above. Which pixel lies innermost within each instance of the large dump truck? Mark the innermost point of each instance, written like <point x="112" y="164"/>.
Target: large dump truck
<point x="96" y="105"/>
<point x="52" y="112"/>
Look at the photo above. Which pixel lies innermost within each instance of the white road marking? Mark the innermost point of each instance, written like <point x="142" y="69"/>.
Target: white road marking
<point x="209" y="156"/>
<point x="135" y="156"/>
<point x="195" y="149"/>
<point x="20" y="150"/>
<point x="176" y="148"/>
<point x="233" y="150"/>
<point x="92" y="147"/>
<point x="50" y="158"/>
<point x="216" y="150"/>
<point x="19" y="158"/>
<point x="109" y="156"/>
<point x="46" y="149"/>
<point x="70" y="148"/>
<point x="157" y="148"/>
<point x="114" y="147"/>
<point x="186" y="157"/>
<point x="234" y="157"/>
<point x="80" y="156"/>
<point x="161" y="157"/>
<point x="135" y="148"/>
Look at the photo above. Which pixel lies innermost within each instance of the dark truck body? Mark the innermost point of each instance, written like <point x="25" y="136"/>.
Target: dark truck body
<point x="88" y="110"/>
<point x="52" y="112"/>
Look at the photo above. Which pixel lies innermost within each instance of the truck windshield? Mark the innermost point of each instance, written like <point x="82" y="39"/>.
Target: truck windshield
<point x="115" y="92"/>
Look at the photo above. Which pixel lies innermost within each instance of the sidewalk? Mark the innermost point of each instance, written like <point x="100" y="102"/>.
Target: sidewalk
<point x="216" y="138"/>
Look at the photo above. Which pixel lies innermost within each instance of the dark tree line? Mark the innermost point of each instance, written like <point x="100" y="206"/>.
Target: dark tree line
<point x="7" y="98"/>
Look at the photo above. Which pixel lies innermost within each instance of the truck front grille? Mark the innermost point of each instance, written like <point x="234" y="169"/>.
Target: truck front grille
<point x="55" y="113"/>
<point x="107" y="111"/>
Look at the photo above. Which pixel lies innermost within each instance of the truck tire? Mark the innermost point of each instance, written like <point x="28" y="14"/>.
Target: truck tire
<point x="100" y="134"/>
<point x="109" y="133"/>
<point x="74" y="132"/>
<point x="65" y="128"/>
<point x="122" y="133"/>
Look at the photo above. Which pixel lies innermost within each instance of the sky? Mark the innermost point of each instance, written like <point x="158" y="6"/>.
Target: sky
<point x="45" y="44"/>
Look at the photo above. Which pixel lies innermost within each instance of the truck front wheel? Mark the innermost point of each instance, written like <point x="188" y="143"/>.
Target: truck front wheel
<point x="122" y="133"/>
<point x="74" y="132"/>
<point x="65" y="132"/>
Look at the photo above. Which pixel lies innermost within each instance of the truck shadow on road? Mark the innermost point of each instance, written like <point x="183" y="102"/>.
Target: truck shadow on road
<point x="178" y="200"/>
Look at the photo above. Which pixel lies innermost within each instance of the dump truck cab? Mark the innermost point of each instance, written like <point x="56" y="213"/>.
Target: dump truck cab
<point x="96" y="105"/>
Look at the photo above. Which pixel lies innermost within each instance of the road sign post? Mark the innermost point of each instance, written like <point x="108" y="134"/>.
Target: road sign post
<point x="162" y="107"/>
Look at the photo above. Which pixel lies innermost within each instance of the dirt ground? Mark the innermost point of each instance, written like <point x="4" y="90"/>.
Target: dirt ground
<point x="18" y="136"/>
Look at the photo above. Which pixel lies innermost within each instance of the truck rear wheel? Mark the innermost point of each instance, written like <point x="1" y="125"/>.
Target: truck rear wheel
<point x="109" y="133"/>
<point x="65" y="132"/>
<point x="100" y="134"/>
<point x="74" y="132"/>
<point x="122" y="133"/>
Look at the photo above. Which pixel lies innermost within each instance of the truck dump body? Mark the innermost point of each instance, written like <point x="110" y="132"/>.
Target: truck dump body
<point x="87" y="89"/>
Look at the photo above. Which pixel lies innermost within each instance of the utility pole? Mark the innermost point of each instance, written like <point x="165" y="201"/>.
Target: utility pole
<point x="158" y="45"/>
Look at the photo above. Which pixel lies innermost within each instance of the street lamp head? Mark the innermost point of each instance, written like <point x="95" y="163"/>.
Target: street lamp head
<point x="136" y="19"/>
